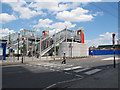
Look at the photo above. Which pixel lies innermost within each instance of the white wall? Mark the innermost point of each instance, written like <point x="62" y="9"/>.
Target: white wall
<point x="78" y="50"/>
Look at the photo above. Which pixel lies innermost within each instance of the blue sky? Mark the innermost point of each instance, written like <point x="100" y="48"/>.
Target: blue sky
<point x="100" y="19"/>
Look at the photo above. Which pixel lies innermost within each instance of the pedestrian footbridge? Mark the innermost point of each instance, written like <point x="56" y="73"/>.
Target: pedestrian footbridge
<point x="33" y="42"/>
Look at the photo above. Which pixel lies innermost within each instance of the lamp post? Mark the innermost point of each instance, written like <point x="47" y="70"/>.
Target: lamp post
<point x="71" y="46"/>
<point x="55" y="44"/>
<point x="66" y="33"/>
<point x="18" y="44"/>
<point x="22" y="49"/>
<point x="9" y="43"/>
<point x="40" y="48"/>
<point x="113" y="35"/>
<point x="75" y="30"/>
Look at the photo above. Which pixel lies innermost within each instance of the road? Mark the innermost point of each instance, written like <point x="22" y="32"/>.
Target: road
<point x="45" y="74"/>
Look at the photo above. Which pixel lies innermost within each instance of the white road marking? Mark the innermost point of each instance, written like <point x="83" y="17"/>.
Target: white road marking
<point x="46" y="68"/>
<point x="67" y="69"/>
<point x="67" y="73"/>
<point x="57" y="70"/>
<point x="30" y="65"/>
<point x="39" y="64"/>
<point x="76" y="67"/>
<point x="51" y="66"/>
<point x="111" y="58"/>
<point x="72" y="68"/>
<point x="12" y="65"/>
<point x="78" y="75"/>
<point x="34" y="66"/>
<point x="62" y="82"/>
<point x="80" y="70"/>
<point x="58" y="67"/>
<point x="46" y="65"/>
<point x="52" y="69"/>
<point x="92" y="71"/>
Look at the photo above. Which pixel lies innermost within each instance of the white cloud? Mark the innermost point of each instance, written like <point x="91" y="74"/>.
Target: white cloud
<point x="63" y="0"/>
<point x="22" y="8"/>
<point x="58" y="26"/>
<point x="104" y="39"/>
<point x="53" y="6"/>
<point x="62" y="25"/>
<point x="43" y="23"/>
<point x="98" y="13"/>
<point x="26" y="13"/>
<point x="76" y="15"/>
<point x="106" y="36"/>
<point x="5" y="32"/>
<point x="4" y="18"/>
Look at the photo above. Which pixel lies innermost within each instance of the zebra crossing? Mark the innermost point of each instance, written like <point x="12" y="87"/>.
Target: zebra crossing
<point x="68" y="69"/>
<point x="10" y="61"/>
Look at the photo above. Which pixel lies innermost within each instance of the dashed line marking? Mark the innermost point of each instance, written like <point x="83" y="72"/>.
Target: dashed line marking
<point x="78" y="75"/>
<point x="111" y="58"/>
<point x="92" y="71"/>
<point x="80" y="70"/>
<point x="67" y="73"/>
<point x="52" y="69"/>
<point x="34" y="66"/>
<point x="72" y="68"/>
<point x="76" y="67"/>
<point x="30" y="65"/>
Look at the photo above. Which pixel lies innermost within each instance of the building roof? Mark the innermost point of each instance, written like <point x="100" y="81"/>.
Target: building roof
<point x="107" y="46"/>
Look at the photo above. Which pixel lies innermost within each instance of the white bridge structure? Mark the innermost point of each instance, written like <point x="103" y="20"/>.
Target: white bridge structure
<point x="35" y="42"/>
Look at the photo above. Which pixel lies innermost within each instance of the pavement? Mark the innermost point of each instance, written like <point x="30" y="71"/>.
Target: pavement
<point x="107" y="78"/>
<point x="14" y="60"/>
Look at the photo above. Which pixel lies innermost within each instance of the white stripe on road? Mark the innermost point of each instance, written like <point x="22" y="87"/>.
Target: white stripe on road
<point x="72" y="68"/>
<point x="76" y="67"/>
<point x="67" y="69"/>
<point x="67" y="73"/>
<point x="30" y="65"/>
<point x="34" y="66"/>
<point x="80" y="70"/>
<point x="92" y="71"/>
<point x="78" y="75"/>
<point x="52" y="69"/>
<point x="62" y="82"/>
<point x="111" y="58"/>
<point x="39" y="64"/>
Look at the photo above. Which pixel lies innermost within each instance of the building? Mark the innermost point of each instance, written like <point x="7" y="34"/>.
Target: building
<point x="108" y="47"/>
<point x="75" y="48"/>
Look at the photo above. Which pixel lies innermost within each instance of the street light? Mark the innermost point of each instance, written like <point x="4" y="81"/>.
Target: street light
<point x="75" y="30"/>
<point x="71" y="46"/>
<point x="23" y="48"/>
<point x="18" y="44"/>
<point x="40" y="47"/>
<point x="55" y="44"/>
<point x="66" y="33"/>
<point x="113" y="35"/>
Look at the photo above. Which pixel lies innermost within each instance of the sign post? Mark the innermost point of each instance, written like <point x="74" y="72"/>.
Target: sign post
<point x="113" y="35"/>
<point x="22" y="49"/>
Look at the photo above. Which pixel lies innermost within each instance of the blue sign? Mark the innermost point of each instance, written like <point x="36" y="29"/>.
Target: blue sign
<point x="104" y="52"/>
